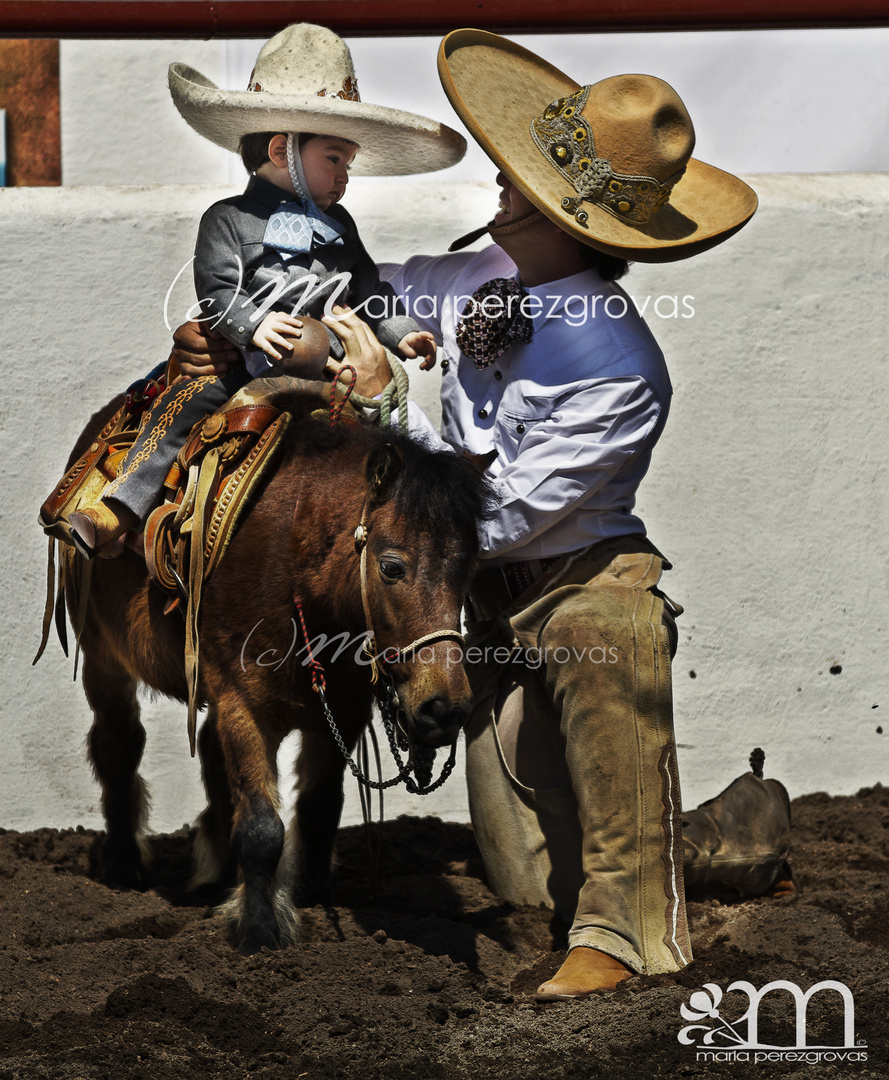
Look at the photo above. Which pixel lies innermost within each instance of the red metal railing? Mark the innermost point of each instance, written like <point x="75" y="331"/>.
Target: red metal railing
<point x="261" y="18"/>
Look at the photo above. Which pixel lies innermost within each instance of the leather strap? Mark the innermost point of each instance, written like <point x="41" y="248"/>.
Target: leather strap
<point x="205" y="487"/>
<point x="245" y="420"/>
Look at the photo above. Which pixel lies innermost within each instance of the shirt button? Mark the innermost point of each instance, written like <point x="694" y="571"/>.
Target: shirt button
<point x="445" y="364"/>
<point x="240" y="329"/>
<point x="498" y="374"/>
<point x="482" y="414"/>
<point x="520" y="428"/>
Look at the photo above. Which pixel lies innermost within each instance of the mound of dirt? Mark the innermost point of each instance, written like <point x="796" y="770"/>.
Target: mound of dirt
<point x="420" y="971"/>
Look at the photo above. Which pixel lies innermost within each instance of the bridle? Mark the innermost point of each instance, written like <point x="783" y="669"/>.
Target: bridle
<point x="382" y="682"/>
<point x="392" y="655"/>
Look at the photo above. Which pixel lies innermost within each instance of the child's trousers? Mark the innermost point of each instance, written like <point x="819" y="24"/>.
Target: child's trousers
<point x="165" y="428"/>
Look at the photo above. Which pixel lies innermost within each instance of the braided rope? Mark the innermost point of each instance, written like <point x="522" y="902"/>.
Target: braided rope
<point x="394" y="396"/>
<point x="336" y="410"/>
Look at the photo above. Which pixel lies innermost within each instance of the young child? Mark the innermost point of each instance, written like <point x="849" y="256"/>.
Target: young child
<point x="286" y="244"/>
<point x="285" y="248"/>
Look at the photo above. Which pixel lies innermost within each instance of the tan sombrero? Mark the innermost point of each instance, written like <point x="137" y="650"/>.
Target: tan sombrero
<point x="304" y="80"/>
<point x="609" y="163"/>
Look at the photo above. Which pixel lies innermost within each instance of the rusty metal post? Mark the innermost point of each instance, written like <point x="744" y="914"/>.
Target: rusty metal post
<point x="29" y="92"/>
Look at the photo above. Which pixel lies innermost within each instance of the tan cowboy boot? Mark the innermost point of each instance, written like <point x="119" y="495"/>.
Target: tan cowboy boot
<point x="737" y="844"/>
<point x="96" y="529"/>
<point x="585" y="970"/>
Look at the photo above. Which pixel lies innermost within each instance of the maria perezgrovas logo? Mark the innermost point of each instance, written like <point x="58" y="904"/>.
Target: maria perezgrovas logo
<point x="332" y="647"/>
<point x="719" y="1038"/>
<point x="575" y="310"/>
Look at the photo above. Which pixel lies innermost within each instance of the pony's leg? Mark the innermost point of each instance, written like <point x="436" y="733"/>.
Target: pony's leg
<point x="116" y="741"/>
<point x="250" y="743"/>
<point x="319" y="803"/>
<point x="212" y="856"/>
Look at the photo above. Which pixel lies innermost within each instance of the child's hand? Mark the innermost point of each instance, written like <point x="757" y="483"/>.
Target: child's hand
<point x="419" y="343"/>
<point x="277" y="331"/>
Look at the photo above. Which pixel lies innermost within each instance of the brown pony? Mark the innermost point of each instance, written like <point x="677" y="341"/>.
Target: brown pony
<point x="296" y="543"/>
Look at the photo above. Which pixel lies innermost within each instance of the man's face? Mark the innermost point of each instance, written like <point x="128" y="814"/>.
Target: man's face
<point x="513" y="204"/>
<point x="326" y="161"/>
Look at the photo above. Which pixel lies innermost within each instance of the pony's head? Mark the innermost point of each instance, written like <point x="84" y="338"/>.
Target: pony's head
<point x="421" y="517"/>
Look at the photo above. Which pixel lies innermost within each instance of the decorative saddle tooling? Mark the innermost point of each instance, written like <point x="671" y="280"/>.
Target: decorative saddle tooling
<point x="205" y="495"/>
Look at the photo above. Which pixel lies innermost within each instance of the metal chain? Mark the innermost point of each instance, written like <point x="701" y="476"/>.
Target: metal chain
<point x="405" y="768"/>
<point x="387" y="713"/>
<point x="378" y="785"/>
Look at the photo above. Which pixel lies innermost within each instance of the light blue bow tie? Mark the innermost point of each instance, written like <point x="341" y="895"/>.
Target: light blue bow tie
<point x="298" y="227"/>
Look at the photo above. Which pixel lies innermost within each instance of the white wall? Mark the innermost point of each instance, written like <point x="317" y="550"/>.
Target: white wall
<point x="761" y="100"/>
<point x="768" y="491"/>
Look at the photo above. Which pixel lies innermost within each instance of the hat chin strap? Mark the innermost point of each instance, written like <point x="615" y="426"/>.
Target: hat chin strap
<point x="496" y="231"/>
<point x="295" y="168"/>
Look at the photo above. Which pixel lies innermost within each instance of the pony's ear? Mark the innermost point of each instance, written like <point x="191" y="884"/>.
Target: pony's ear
<point x="383" y="466"/>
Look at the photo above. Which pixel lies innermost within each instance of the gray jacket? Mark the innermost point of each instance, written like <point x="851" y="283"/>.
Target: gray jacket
<point x="234" y="297"/>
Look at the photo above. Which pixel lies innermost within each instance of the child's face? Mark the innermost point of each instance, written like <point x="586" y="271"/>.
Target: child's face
<point x="326" y="160"/>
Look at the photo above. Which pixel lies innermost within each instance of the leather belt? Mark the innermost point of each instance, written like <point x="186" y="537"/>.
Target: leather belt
<point x="495" y="588"/>
<point x="520" y="576"/>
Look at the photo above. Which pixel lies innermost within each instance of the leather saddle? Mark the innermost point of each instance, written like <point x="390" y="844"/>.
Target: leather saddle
<point x="209" y="485"/>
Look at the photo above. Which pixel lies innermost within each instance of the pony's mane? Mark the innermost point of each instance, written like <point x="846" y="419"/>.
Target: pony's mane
<point x="436" y="488"/>
<point x="439" y="489"/>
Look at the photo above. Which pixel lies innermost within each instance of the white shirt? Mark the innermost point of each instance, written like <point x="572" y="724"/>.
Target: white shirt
<point x="573" y="415"/>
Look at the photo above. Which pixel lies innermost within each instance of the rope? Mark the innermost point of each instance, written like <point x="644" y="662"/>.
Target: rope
<point x="319" y="683"/>
<point x="393" y="397"/>
<point x="337" y="409"/>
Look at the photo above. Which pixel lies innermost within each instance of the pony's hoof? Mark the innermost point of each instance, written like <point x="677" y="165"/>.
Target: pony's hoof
<point x="120" y="866"/>
<point x="251" y="944"/>
<point x="125" y="877"/>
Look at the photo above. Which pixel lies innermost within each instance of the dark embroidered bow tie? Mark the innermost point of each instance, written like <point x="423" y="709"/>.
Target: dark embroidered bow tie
<point x="493" y="320"/>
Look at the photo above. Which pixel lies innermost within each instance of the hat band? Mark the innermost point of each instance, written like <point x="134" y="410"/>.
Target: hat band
<point x="565" y="139"/>
<point x="349" y="91"/>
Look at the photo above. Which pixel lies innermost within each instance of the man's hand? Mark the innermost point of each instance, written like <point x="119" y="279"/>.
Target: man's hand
<point x="363" y="352"/>
<point x="419" y="343"/>
<point x="201" y="351"/>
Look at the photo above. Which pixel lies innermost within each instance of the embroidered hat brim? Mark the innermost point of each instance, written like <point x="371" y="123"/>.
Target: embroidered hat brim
<point x="392" y="142"/>
<point x="500" y="90"/>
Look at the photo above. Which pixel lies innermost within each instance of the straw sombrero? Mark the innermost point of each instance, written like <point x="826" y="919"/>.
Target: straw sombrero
<point x="304" y="80"/>
<point x="609" y="163"/>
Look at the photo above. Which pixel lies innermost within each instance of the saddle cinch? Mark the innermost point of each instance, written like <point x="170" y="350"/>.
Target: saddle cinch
<point x="205" y="493"/>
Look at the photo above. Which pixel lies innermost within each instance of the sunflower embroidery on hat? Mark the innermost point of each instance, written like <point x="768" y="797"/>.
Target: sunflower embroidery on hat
<point x="566" y="140"/>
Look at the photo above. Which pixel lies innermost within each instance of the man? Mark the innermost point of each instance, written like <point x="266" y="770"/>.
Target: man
<point x="571" y="758"/>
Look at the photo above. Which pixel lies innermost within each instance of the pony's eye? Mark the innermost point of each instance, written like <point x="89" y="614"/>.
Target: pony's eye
<point x="391" y="569"/>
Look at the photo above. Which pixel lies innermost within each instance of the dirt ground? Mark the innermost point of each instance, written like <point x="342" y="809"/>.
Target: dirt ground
<point x="425" y="975"/>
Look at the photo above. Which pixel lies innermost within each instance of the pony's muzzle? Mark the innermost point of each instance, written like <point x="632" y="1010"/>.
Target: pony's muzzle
<point x="438" y="721"/>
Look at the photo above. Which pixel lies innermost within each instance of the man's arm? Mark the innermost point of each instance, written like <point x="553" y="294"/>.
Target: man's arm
<point x="201" y="351"/>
